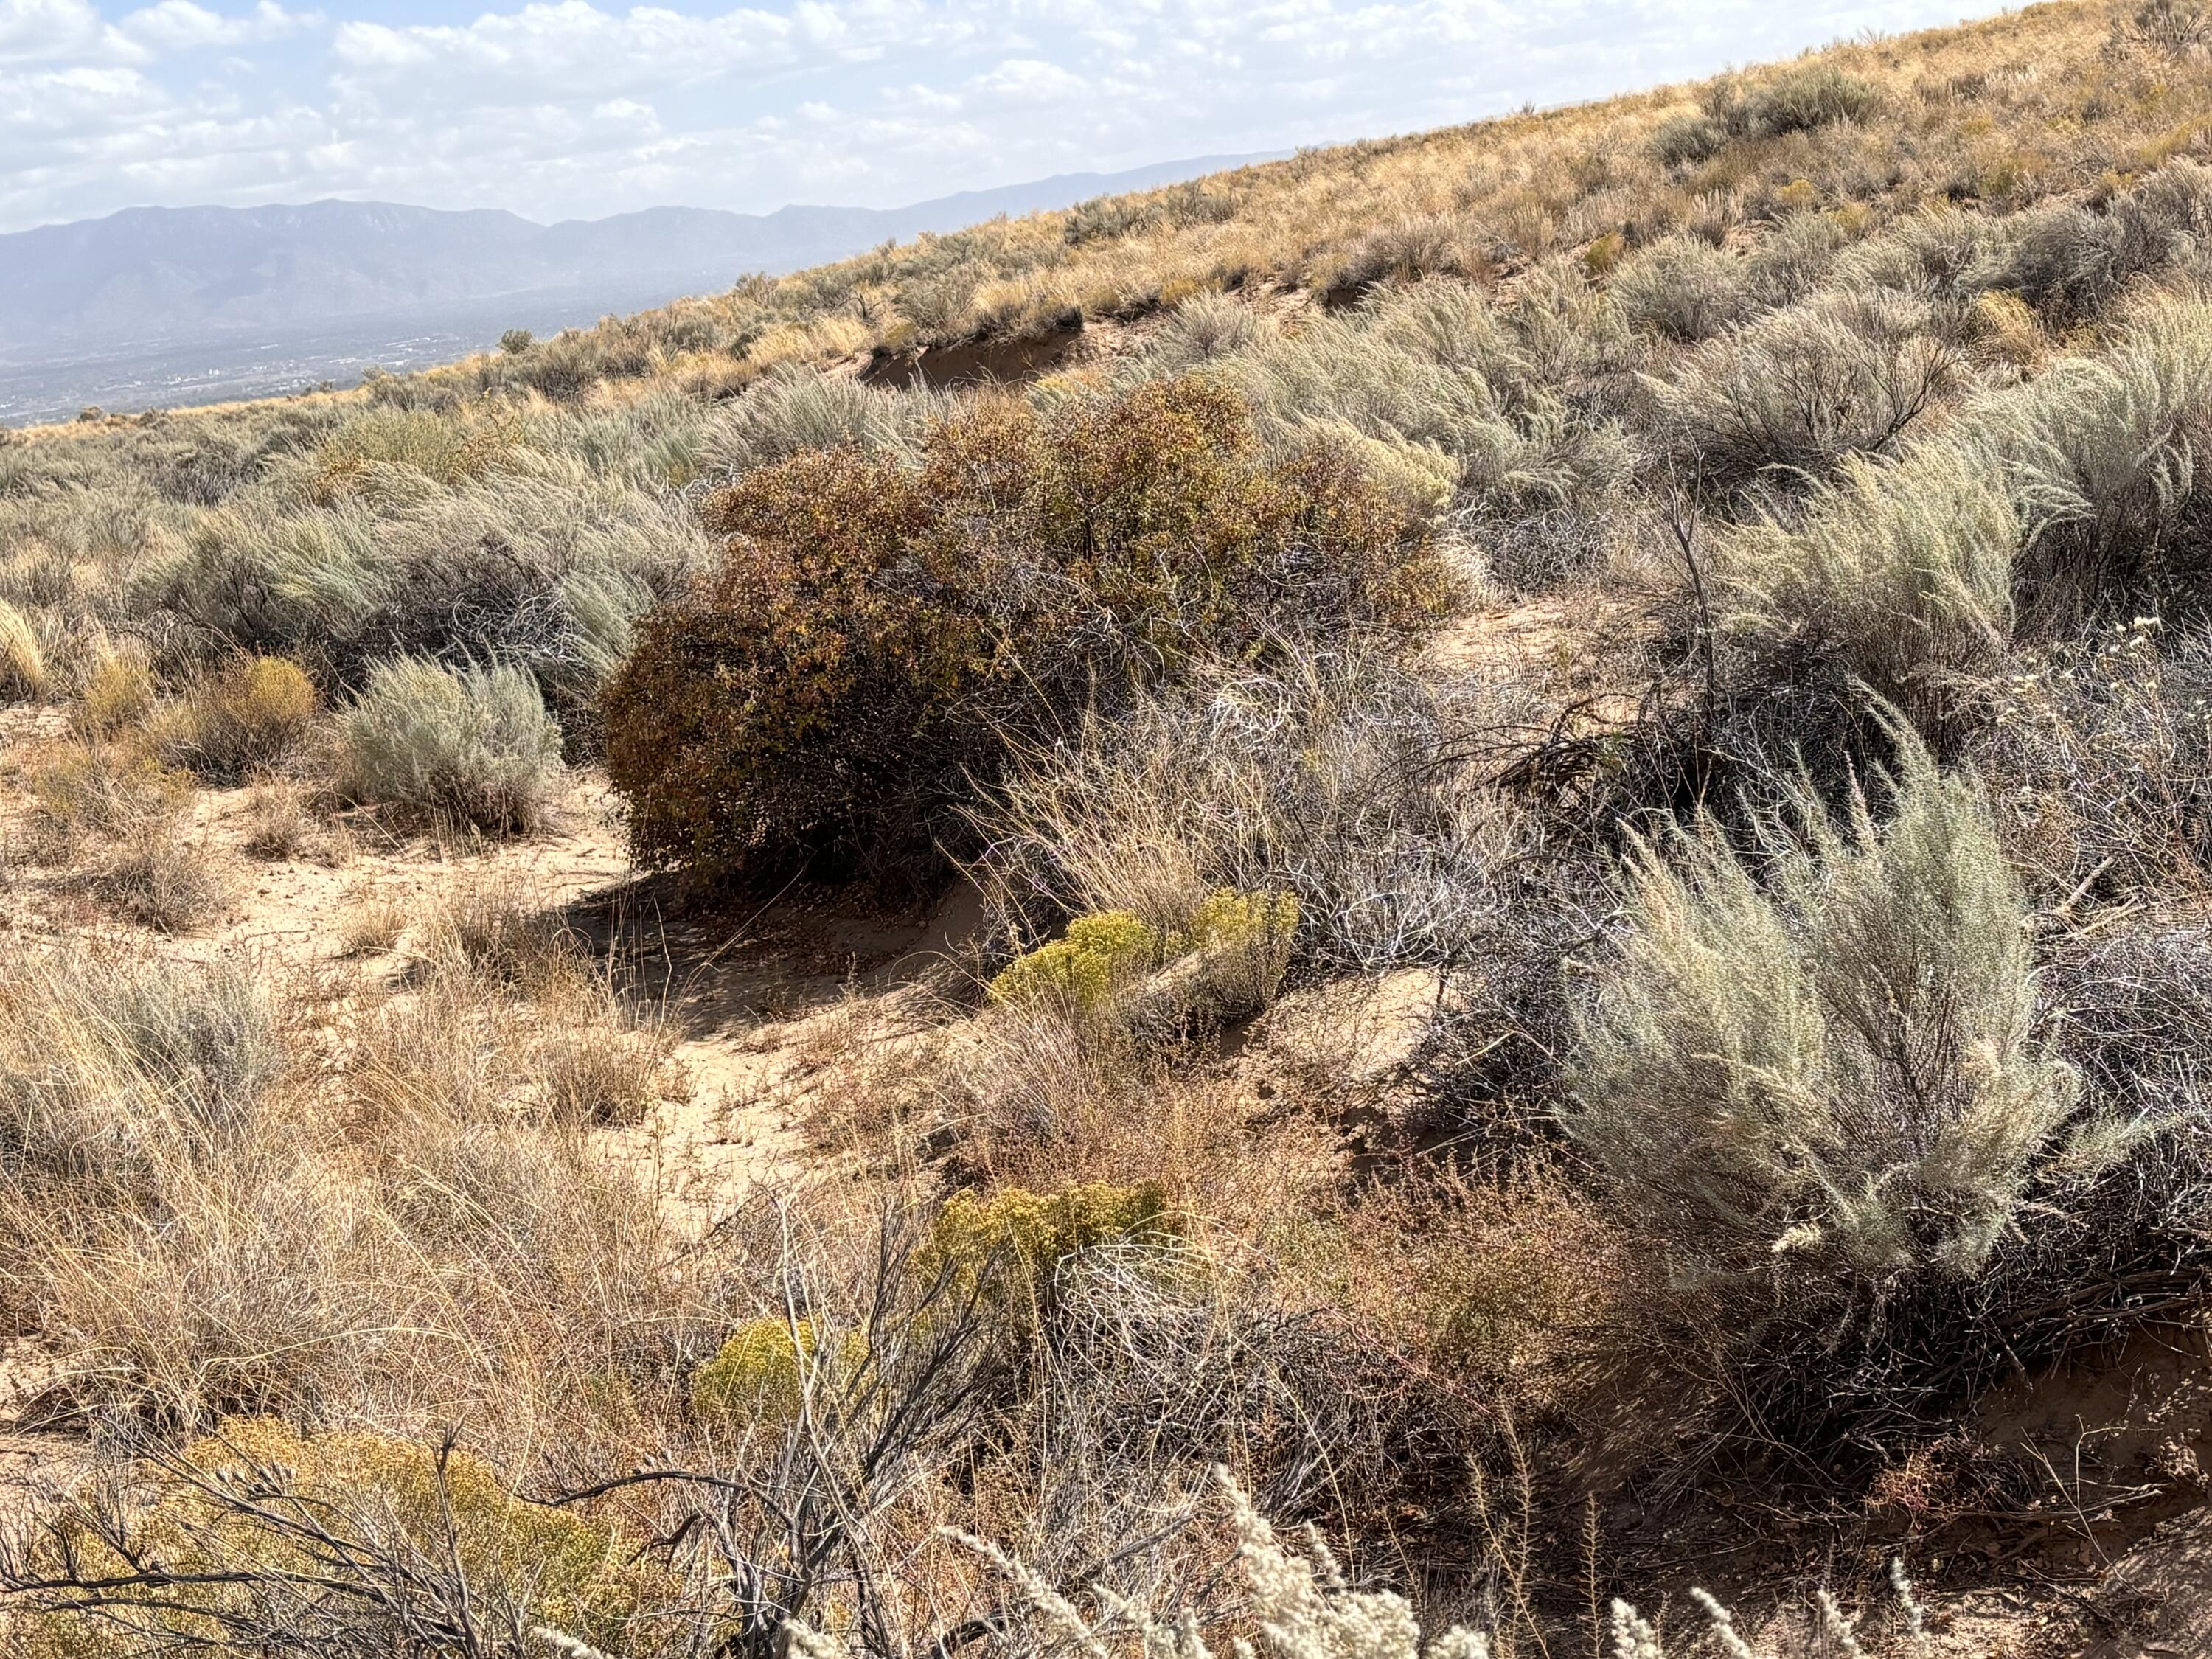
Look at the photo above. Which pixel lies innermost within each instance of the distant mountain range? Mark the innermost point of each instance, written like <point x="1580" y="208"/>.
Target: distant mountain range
<point x="159" y="305"/>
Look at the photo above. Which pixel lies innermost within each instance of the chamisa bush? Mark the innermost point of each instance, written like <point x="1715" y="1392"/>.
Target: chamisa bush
<point x="875" y="633"/>
<point x="261" y="1538"/>
<point x="473" y="746"/>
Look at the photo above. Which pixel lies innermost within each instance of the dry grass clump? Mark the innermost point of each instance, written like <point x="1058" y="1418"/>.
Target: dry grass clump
<point x="1202" y="329"/>
<point x="794" y="410"/>
<point x="23" y="676"/>
<point x="113" y="817"/>
<point x="117" y="697"/>
<point x="501" y="930"/>
<point x="285" y="820"/>
<point x="507" y="1016"/>
<point x="1305" y="1607"/>
<point x="198" y="1230"/>
<point x="160" y="878"/>
<point x="108" y="1054"/>
<point x="372" y="920"/>
<point x="470" y="747"/>
<point x="1340" y="780"/>
<point x="94" y="790"/>
<point x="250" y="716"/>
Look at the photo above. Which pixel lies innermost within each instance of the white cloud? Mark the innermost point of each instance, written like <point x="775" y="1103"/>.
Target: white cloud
<point x="55" y="32"/>
<point x="181" y="26"/>
<point x="1030" y="81"/>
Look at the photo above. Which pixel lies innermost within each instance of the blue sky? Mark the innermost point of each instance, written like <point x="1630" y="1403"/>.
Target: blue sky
<point x="577" y="109"/>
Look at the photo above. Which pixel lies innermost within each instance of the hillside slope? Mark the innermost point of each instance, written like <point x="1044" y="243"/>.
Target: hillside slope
<point x="1996" y="116"/>
<point x="1518" y="838"/>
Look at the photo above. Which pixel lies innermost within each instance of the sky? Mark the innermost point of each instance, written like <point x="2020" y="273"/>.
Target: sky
<point x="578" y="108"/>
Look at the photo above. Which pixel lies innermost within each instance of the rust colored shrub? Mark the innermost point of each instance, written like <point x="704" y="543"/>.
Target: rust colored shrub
<point x="876" y="635"/>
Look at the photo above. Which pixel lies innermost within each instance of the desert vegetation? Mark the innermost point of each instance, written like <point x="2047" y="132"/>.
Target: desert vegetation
<point x="1540" y="795"/>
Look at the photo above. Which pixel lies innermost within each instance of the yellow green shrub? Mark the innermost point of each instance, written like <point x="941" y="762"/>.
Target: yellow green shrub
<point x="1099" y="955"/>
<point x="756" y="1373"/>
<point x="119" y="696"/>
<point x="1230" y="919"/>
<point x="245" y="718"/>
<point x="380" y="1496"/>
<point x="1245" y="940"/>
<point x="1030" y="1232"/>
<point x="757" y="1376"/>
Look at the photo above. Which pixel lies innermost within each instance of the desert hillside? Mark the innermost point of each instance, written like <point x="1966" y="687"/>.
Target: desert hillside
<point x="1457" y="885"/>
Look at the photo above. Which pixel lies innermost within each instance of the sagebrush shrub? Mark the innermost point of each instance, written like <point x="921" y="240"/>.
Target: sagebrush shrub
<point x="1798" y="100"/>
<point x="1793" y="259"/>
<point x="2072" y="260"/>
<point x="792" y="409"/>
<point x="1681" y="289"/>
<point x="875" y="634"/>
<point x="546" y="567"/>
<point x="1683" y="141"/>
<point x="2103" y="455"/>
<point x="1205" y="327"/>
<point x="1831" y="1074"/>
<point x="471" y="746"/>
<point x="1790" y="394"/>
<point x="1440" y="400"/>
<point x="1902" y="571"/>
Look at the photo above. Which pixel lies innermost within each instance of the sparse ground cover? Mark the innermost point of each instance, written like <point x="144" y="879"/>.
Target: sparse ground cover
<point x="1514" y="843"/>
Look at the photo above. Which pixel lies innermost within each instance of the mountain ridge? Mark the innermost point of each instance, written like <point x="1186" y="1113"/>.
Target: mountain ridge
<point x="171" y="276"/>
